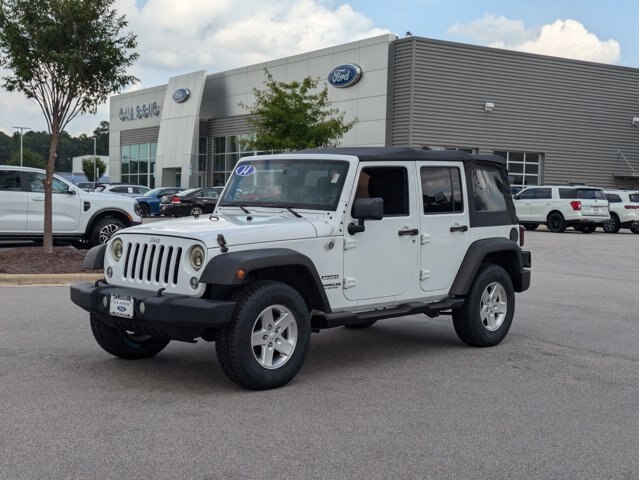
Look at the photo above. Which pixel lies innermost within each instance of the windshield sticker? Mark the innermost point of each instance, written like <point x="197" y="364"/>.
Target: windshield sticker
<point x="245" y="170"/>
<point x="335" y="178"/>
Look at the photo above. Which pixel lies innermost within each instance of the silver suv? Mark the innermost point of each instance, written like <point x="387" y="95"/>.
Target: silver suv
<point x="560" y="206"/>
<point x="80" y="217"/>
<point x="624" y="211"/>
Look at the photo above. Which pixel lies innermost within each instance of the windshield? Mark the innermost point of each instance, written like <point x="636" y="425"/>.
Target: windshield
<point x="296" y="183"/>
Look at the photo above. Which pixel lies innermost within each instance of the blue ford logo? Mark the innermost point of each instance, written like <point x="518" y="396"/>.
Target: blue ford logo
<point x="245" y="170"/>
<point x="121" y="308"/>
<point x="344" y="75"/>
<point x="181" y="95"/>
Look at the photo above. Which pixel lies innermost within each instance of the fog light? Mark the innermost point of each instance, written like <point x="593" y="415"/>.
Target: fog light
<point x="105" y="301"/>
<point x="109" y="272"/>
<point x="194" y="283"/>
<point x="141" y="308"/>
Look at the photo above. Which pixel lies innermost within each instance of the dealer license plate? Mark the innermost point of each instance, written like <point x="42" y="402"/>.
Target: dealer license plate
<point x="121" y="306"/>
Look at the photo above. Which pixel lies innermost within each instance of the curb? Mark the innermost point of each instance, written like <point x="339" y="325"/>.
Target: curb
<point x="23" y="280"/>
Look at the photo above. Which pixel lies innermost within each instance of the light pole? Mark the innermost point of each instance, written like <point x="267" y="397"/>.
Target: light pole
<point x="22" y="129"/>
<point x="95" y="165"/>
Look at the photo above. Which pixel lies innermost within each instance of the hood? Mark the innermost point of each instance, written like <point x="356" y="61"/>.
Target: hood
<point x="237" y="229"/>
<point x="108" y="199"/>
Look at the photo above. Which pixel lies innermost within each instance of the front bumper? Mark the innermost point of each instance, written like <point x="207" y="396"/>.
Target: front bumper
<point x="178" y="317"/>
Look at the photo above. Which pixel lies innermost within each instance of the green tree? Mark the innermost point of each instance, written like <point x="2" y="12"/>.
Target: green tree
<point x="67" y="56"/>
<point x="89" y="167"/>
<point x="294" y="116"/>
<point x="29" y="159"/>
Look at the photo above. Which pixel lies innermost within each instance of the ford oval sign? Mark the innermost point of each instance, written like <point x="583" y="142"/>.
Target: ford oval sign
<point x="344" y="76"/>
<point x="181" y="95"/>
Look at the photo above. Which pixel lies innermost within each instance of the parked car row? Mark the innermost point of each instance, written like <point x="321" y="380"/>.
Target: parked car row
<point x="170" y="201"/>
<point x="581" y="207"/>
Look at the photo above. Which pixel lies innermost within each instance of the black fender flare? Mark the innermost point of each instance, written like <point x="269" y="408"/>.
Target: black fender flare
<point x="221" y="269"/>
<point x="94" y="258"/>
<point x="476" y="254"/>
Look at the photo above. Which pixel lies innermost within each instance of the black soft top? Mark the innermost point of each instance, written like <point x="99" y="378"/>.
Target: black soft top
<point x="371" y="154"/>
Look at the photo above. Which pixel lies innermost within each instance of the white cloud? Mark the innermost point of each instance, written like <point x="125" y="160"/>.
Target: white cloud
<point x="562" y="38"/>
<point x="178" y="37"/>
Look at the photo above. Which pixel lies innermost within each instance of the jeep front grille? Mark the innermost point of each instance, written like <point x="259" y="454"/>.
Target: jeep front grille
<point x="154" y="264"/>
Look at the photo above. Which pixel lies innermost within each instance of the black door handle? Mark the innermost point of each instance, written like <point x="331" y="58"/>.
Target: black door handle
<point x="462" y="228"/>
<point x="408" y="231"/>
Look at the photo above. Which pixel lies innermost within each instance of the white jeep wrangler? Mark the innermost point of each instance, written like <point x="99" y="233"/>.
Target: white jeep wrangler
<point x="316" y="239"/>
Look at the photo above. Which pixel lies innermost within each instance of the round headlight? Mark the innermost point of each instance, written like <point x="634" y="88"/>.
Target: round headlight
<point x="117" y="247"/>
<point x="197" y="257"/>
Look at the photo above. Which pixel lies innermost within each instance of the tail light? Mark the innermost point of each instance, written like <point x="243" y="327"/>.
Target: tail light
<point x="576" y="205"/>
<point x="631" y="207"/>
<point x="176" y="199"/>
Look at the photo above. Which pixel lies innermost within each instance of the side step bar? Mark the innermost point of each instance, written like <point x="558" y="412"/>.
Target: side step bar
<point x="331" y="320"/>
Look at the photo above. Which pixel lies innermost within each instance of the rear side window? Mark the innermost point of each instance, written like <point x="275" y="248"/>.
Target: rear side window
<point x="441" y="190"/>
<point x="634" y="197"/>
<point x="10" y="181"/>
<point x="488" y="190"/>
<point x="613" y="198"/>
<point x="590" y="194"/>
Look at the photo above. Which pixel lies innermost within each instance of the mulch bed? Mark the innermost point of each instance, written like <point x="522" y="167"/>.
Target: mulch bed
<point x="32" y="259"/>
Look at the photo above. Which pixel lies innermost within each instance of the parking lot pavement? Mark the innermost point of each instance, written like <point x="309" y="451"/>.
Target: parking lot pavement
<point x="403" y="399"/>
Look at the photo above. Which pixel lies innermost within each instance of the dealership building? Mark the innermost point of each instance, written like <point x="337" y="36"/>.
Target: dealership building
<point x="555" y="120"/>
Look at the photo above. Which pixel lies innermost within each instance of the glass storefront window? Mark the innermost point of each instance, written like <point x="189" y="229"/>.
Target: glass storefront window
<point x="138" y="164"/>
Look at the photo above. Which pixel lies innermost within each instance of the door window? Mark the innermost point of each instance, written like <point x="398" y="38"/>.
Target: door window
<point x="441" y="190"/>
<point x="10" y="181"/>
<point x="388" y="183"/>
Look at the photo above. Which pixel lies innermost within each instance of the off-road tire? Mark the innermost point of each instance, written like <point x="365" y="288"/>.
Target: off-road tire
<point x="613" y="225"/>
<point x="104" y="229"/>
<point x="260" y="305"/>
<point x="491" y="290"/>
<point x="556" y="222"/>
<point x="123" y="344"/>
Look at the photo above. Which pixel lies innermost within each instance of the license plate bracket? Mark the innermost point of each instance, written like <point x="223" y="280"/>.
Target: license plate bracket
<point x="121" y="306"/>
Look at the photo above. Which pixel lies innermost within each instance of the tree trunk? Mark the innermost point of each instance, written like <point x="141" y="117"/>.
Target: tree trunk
<point x="47" y="243"/>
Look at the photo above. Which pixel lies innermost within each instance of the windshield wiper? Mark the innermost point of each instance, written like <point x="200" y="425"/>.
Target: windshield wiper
<point x="287" y="208"/>
<point x="235" y="204"/>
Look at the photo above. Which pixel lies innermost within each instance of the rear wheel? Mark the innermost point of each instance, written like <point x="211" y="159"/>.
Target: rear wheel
<point x="124" y="344"/>
<point x="556" y="222"/>
<point x="487" y="313"/>
<point x="613" y="225"/>
<point x="267" y="340"/>
<point x="195" y="211"/>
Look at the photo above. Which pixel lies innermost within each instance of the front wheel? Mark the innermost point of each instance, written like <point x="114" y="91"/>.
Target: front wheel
<point x="104" y="229"/>
<point x="634" y="229"/>
<point x="612" y="226"/>
<point x="144" y="210"/>
<point x="487" y="313"/>
<point x="124" y="344"/>
<point x="267" y="340"/>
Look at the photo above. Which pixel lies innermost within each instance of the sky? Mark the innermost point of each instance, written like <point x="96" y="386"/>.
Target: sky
<point x="177" y="37"/>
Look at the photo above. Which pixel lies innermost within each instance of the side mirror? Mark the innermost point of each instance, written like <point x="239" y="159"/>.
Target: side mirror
<point x="516" y="196"/>
<point x="72" y="191"/>
<point x="366" y="209"/>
